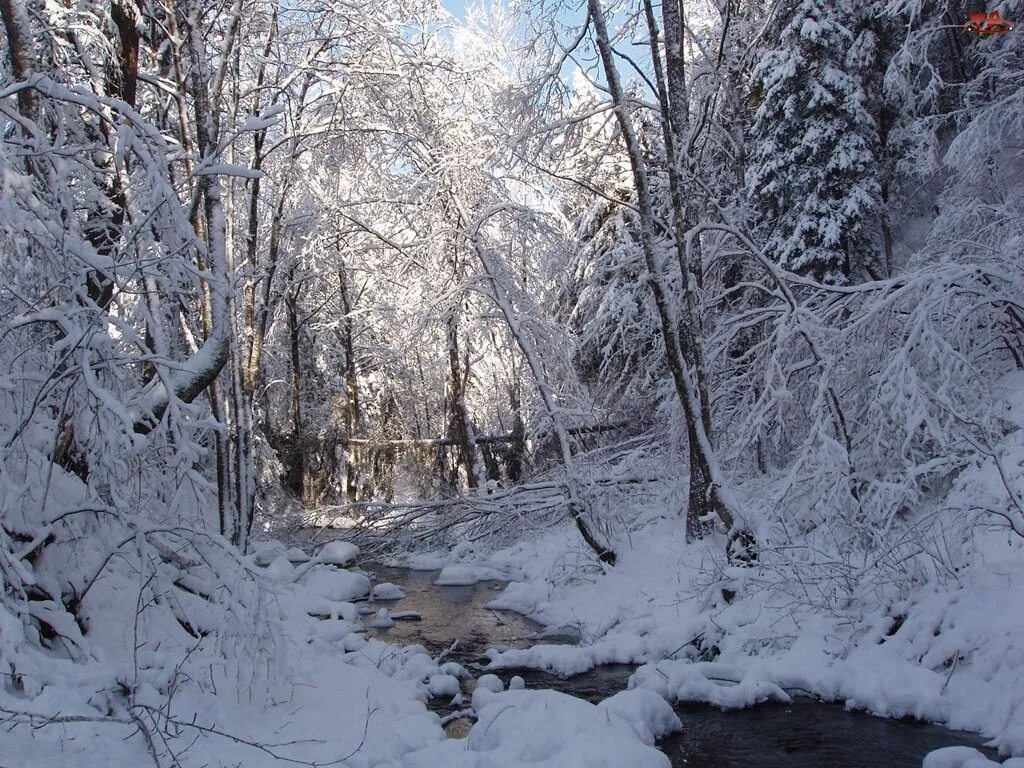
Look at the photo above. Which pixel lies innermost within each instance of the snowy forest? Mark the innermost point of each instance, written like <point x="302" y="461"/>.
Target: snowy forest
<point x="685" y="338"/>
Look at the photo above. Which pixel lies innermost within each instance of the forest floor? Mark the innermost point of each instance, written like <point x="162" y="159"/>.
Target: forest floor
<point x="328" y="695"/>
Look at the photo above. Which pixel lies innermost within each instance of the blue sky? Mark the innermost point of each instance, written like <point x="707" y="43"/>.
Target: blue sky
<point x="457" y="7"/>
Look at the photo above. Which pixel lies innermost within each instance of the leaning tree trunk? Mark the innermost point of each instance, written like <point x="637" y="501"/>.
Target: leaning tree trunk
<point x="672" y="95"/>
<point x="576" y="503"/>
<point x="687" y="390"/>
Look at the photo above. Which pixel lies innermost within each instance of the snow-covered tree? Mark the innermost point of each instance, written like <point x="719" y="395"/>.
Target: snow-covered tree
<point x="813" y="171"/>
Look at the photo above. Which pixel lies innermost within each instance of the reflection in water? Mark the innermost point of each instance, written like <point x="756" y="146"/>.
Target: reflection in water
<point x="804" y="734"/>
<point x="450" y="614"/>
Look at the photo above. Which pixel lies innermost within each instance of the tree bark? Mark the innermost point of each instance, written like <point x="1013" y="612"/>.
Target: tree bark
<point x="686" y="390"/>
<point x="20" y="50"/>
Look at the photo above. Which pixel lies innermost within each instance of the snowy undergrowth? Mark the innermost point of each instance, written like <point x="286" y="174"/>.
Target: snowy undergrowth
<point x="326" y="695"/>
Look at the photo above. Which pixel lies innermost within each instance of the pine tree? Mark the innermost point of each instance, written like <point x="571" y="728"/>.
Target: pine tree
<point x="813" y="176"/>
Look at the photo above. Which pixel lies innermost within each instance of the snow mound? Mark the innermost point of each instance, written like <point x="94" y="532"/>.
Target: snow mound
<point x="337" y="585"/>
<point x="490" y="683"/>
<point x="443" y="685"/>
<point x="707" y="683"/>
<point x="648" y="713"/>
<point x="466" y="575"/>
<point x="382" y="620"/>
<point x="956" y="757"/>
<point x="455" y="669"/>
<point x="547" y="729"/>
<point x="387" y="591"/>
<point x="340" y="553"/>
<point x="281" y="570"/>
<point x="268" y="552"/>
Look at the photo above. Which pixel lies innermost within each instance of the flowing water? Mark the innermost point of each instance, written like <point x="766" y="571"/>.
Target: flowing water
<point x="804" y="734"/>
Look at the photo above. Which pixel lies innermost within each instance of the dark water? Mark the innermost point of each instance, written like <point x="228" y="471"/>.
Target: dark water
<point x="805" y="734"/>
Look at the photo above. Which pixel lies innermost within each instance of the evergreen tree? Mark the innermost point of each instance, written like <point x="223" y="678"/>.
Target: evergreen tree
<point x="813" y="175"/>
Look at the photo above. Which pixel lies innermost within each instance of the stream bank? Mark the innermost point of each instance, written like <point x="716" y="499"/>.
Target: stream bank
<point x="456" y="621"/>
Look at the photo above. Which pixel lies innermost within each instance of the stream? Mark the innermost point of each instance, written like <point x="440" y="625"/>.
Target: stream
<point x="804" y="734"/>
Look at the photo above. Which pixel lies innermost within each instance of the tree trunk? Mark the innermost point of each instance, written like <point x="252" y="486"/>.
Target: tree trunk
<point x="20" y="49"/>
<point x="297" y="463"/>
<point x="462" y="427"/>
<point x="687" y="390"/>
<point x="576" y="503"/>
<point x="353" y="415"/>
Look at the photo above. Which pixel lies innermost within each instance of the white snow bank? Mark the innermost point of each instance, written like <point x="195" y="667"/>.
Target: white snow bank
<point x="339" y="553"/>
<point x="949" y="652"/>
<point x="386" y="591"/>
<point x="565" y="661"/>
<point x="443" y="685"/>
<point x="957" y="757"/>
<point x="547" y="729"/>
<point x="464" y="575"/>
<point x="707" y="683"/>
<point x="336" y="585"/>
<point x="281" y="570"/>
<point x="381" y="620"/>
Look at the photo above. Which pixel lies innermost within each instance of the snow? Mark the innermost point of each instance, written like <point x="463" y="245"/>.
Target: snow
<point x="443" y="685"/>
<point x="455" y="670"/>
<point x="951" y="654"/>
<point x="281" y="569"/>
<point x="703" y="682"/>
<point x="268" y="551"/>
<point x="491" y="683"/>
<point x="465" y="575"/>
<point x="386" y="591"/>
<point x="337" y="585"/>
<point x="381" y="620"/>
<point x="956" y="757"/>
<point x="564" y="732"/>
<point x="340" y="553"/>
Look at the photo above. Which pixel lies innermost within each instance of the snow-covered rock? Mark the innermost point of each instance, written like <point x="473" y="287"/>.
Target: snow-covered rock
<point x="381" y="620"/>
<point x="516" y="684"/>
<point x="956" y="757"/>
<point x="334" y="630"/>
<point x="321" y="607"/>
<point x="338" y="585"/>
<point x="407" y="616"/>
<point x="296" y="555"/>
<point x="490" y="683"/>
<point x="709" y="683"/>
<point x="387" y="591"/>
<point x="464" y="575"/>
<point x="281" y="570"/>
<point x="443" y="685"/>
<point x="547" y="729"/>
<point x="650" y="715"/>
<point x="453" y="668"/>
<point x="339" y="553"/>
<point x="268" y="553"/>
